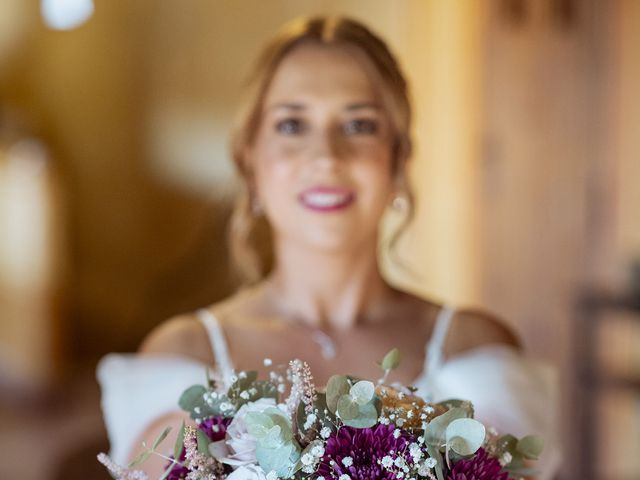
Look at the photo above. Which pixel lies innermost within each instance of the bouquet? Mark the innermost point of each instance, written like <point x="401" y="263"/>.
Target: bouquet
<point x="354" y="429"/>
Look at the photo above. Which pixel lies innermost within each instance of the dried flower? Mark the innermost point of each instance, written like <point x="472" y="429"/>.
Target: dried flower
<point x="120" y="472"/>
<point x="201" y="467"/>
<point x="409" y="410"/>
<point x="302" y="387"/>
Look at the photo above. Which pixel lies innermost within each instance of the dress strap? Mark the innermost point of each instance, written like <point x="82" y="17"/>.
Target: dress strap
<point x="434" y="349"/>
<point x="218" y="344"/>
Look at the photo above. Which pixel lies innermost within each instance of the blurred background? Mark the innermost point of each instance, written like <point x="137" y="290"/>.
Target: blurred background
<point x="115" y="189"/>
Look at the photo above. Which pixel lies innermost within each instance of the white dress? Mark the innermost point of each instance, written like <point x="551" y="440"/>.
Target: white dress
<point x="510" y="392"/>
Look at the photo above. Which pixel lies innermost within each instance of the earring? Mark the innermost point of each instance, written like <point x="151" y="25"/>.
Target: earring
<point x="400" y="202"/>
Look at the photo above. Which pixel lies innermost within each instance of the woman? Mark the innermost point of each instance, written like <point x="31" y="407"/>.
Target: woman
<point x="322" y="150"/>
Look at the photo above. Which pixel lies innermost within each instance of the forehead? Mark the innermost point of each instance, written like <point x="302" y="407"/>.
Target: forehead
<point x="322" y="73"/>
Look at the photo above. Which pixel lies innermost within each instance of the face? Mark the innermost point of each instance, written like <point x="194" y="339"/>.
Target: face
<point x="322" y="155"/>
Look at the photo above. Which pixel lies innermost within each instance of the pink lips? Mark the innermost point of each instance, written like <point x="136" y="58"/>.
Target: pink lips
<point x="326" y="199"/>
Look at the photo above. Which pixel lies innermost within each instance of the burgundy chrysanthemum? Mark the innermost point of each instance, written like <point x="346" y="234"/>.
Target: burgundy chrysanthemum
<point x="215" y="428"/>
<point x="365" y="446"/>
<point x="480" y="467"/>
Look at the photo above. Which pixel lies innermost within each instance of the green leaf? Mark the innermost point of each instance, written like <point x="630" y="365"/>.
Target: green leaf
<point x="367" y="417"/>
<point x="160" y="438"/>
<point x="391" y="360"/>
<point x="507" y="443"/>
<point x="327" y="419"/>
<point x="210" y="380"/>
<point x="347" y="408"/>
<point x="337" y="386"/>
<point x="192" y="397"/>
<point x="307" y="449"/>
<point x="282" y="459"/>
<point x="140" y="459"/>
<point x="465" y="436"/>
<point x="177" y="449"/>
<point x="244" y="381"/>
<point x="530" y="446"/>
<point x="166" y="472"/>
<point x="203" y="443"/>
<point x="436" y="429"/>
<point x="522" y="472"/>
<point x="434" y="452"/>
<point x="362" y="392"/>
<point x="466" y="405"/>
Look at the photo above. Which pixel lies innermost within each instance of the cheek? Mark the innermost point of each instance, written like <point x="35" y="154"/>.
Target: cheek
<point x="375" y="178"/>
<point x="274" y="176"/>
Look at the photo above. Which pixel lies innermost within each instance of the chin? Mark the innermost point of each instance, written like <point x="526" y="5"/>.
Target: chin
<point x="336" y="242"/>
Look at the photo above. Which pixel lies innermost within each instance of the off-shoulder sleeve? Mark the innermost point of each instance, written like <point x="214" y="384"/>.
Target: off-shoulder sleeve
<point x="138" y="389"/>
<point x="510" y="392"/>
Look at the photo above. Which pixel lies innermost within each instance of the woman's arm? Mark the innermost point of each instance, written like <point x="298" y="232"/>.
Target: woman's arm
<point x="185" y="337"/>
<point x="155" y="465"/>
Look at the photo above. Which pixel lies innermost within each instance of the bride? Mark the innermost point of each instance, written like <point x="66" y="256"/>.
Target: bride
<point x="322" y="149"/>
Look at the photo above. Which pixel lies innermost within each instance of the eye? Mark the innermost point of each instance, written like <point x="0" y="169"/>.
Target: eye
<point x="361" y="126"/>
<point x="290" y="126"/>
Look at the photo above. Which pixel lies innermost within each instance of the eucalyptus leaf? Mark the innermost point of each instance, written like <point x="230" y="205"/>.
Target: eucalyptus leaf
<point x="507" y="443"/>
<point x="466" y="405"/>
<point x="258" y="424"/>
<point x="391" y="360"/>
<point x="362" y="392"/>
<point x="367" y="417"/>
<point x="530" y="446"/>
<point x="337" y="386"/>
<point x="193" y="401"/>
<point x="465" y="436"/>
<point x="436" y="429"/>
<point x="270" y="427"/>
<point x="282" y="460"/>
<point x="434" y="453"/>
<point x="192" y="397"/>
<point x="347" y="408"/>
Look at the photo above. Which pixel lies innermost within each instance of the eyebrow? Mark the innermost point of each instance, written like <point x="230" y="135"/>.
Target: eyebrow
<point x="350" y="107"/>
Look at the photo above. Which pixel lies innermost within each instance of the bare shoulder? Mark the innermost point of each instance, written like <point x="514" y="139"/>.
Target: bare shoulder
<point x="181" y="335"/>
<point x="414" y="308"/>
<point x="185" y="334"/>
<point x="474" y="327"/>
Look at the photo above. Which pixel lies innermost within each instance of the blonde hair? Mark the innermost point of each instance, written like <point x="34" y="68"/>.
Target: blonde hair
<point x="249" y="238"/>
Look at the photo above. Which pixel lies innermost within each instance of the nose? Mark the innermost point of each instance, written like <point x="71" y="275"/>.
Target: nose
<point x="325" y="150"/>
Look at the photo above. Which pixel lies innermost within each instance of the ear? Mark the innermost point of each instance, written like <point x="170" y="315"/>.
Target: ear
<point x="248" y="172"/>
<point x="400" y="182"/>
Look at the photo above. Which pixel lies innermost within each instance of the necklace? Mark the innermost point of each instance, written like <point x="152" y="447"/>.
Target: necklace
<point x="327" y="345"/>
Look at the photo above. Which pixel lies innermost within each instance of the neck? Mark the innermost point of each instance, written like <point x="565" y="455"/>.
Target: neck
<point x="332" y="290"/>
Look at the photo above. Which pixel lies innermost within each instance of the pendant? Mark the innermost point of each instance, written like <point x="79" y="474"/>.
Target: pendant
<point x="327" y="346"/>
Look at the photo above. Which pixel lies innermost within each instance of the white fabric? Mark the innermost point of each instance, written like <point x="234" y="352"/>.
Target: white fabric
<point x="511" y="392"/>
<point x="219" y="344"/>
<point x="138" y="389"/>
<point x="434" y="349"/>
